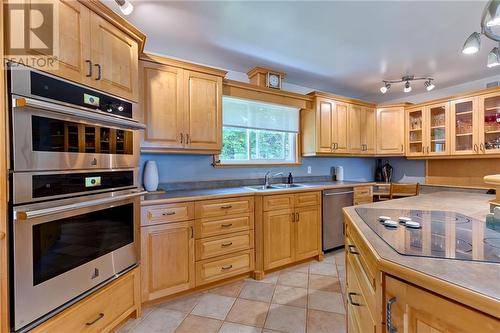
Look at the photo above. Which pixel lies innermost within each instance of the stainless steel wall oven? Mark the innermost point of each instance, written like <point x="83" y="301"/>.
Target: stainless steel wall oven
<point x="74" y="200"/>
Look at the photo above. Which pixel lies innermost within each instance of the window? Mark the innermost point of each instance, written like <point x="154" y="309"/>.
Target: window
<point x="255" y="132"/>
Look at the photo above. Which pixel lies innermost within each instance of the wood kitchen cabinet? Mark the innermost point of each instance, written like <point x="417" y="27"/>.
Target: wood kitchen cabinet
<point x="428" y="130"/>
<point x="96" y="48"/>
<point x="167" y="259"/>
<point x="415" y="310"/>
<point x="488" y="131"/>
<point x="182" y="108"/>
<point x="361" y="130"/>
<point x="291" y="228"/>
<point x="390" y="131"/>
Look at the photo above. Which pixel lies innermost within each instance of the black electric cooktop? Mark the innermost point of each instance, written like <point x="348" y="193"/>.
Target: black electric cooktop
<point x="441" y="234"/>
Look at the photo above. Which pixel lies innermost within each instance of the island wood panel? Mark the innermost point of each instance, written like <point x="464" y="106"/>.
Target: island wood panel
<point x="4" y="259"/>
<point x="461" y="172"/>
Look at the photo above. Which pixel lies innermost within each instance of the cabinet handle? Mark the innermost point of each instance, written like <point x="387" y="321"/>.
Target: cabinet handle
<point x="225" y="268"/>
<point x="168" y="214"/>
<point x="99" y="72"/>
<point x="475" y="147"/>
<point x="227" y="225"/>
<point x="349" y="297"/>
<point x="182" y="138"/>
<point x="293" y="217"/>
<point x="226" y="244"/>
<point x="226" y="207"/>
<point x="390" y="328"/>
<point x="427" y="149"/>
<point x="188" y="140"/>
<point x="297" y="219"/>
<point x="89" y="74"/>
<point x="192" y="231"/>
<point x="481" y="145"/>
<point x="350" y="249"/>
<point x="402" y="148"/>
<point x="332" y="148"/>
<point x="99" y="317"/>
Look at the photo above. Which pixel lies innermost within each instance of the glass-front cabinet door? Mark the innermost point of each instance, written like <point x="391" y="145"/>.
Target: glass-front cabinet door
<point x="415" y="137"/>
<point x="489" y="124"/>
<point x="463" y="127"/>
<point x="437" y="129"/>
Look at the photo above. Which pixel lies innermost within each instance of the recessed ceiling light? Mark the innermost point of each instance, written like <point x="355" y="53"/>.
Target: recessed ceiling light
<point x="493" y="58"/>
<point x="407" y="87"/>
<point x="125" y="6"/>
<point x="472" y="44"/>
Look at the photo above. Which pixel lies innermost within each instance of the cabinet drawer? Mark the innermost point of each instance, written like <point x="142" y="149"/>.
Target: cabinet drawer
<point x="211" y="270"/>
<point x="220" y="226"/>
<point x="100" y="312"/>
<point x="223" y="207"/>
<point x="275" y="202"/>
<point x="363" y="191"/>
<point x="220" y="245"/>
<point x="357" y="304"/>
<point x="167" y="213"/>
<point x="365" y="262"/>
<point x="307" y="199"/>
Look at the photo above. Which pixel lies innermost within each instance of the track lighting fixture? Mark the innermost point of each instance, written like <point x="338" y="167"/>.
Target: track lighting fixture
<point x="489" y="20"/>
<point x="385" y="88"/>
<point x="407" y="86"/>
<point x="493" y="58"/>
<point x="125" y="6"/>
<point x="429" y="85"/>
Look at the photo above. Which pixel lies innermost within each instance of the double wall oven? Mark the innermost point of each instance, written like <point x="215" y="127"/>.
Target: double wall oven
<point x="74" y="199"/>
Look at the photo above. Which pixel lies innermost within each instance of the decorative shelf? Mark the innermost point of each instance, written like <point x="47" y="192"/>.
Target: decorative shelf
<point x="415" y="142"/>
<point x="416" y="130"/>
<point x="492" y="132"/>
<point x="440" y="126"/>
<point x="463" y="134"/>
<point x="463" y="113"/>
<point x="439" y="140"/>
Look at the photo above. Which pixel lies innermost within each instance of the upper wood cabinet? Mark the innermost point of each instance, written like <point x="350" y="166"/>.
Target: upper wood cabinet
<point x="362" y="130"/>
<point x="97" y="51"/>
<point x="428" y="130"/>
<point x="464" y="126"/>
<point x="390" y="131"/>
<point x="181" y="108"/>
<point x="488" y="130"/>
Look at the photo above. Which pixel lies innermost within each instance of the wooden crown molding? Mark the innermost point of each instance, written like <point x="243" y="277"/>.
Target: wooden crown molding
<point x="118" y="21"/>
<point x="254" y="92"/>
<point x="456" y="97"/>
<point x="162" y="60"/>
<point x="263" y="70"/>
<point x="341" y="98"/>
<point x="394" y="105"/>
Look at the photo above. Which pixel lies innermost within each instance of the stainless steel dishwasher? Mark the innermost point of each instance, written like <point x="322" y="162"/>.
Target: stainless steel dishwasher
<point x="333" y="202"/>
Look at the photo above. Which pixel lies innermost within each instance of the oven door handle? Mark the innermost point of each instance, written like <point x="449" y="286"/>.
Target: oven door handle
<point x="96" y="114"/>
<point x="31" y="214"/>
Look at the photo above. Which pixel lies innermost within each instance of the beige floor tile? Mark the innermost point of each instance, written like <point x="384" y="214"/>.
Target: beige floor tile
<point x="329" y="258"/>
<point x="238" y="328"/>
<point x="160" y="320"/>
<point x="301" y="268"/>
<point x="321" y="268"/>
<point x="293" y="279"/>
<point x="195" y="324"/>
<point x="326" y="301"/>
<point x="229" y="290"/>
<point x="257" y="291"/>
<point x="265" y="330"/>
<point x="325" y="322"/>
<point x="213" y="306"/>
<point x="268" y="278"/>
<point x="131" y="323"/>
<point x="324" y="282"/>
<point x="247" y="312"/>
<point x="286" y="319"/>
<point x="183" y="304"/>
<point x="290" y="296"/>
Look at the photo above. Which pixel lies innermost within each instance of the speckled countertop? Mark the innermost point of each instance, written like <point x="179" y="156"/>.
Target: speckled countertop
<point x="480" y="280"/>
<point x="216" y="193"/>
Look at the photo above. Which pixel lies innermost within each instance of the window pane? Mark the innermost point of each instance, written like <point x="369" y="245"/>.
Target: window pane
<point x="234" y="144"/>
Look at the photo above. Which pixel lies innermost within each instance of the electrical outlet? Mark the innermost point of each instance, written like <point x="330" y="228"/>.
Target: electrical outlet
<point x="309" y="170"/>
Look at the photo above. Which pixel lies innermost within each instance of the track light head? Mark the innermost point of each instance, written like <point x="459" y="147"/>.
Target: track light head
<point x="472" y="43"/>
<point x="385" y="88"/>
<point x="494" y="14"/>
<point x="125" y="6"/>
<point x="493" y="58"/>
<point x="429" y="85"/>
<point x="407" y="87"/>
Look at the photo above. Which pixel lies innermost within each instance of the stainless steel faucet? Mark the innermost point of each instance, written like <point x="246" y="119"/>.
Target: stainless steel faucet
<point x="268" y="176"/>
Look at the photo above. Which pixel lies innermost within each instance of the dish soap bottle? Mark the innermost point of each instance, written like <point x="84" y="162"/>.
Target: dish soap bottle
<point x="290" y="178"/>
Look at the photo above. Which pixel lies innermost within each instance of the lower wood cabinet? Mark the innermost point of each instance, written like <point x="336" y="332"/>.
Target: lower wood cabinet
<point x="363" y="194"/>
<point x="100" y="312"/>
<point x="291" y="228"/>
<point x="415" y="310"/>
<point x="167" y="259"/>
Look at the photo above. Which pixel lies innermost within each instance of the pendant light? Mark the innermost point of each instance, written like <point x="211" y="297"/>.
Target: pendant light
<point x="472" y="44"/>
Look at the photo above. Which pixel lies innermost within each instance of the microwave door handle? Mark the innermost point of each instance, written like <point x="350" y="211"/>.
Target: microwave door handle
<point x="90" y="114"/>
<point x="31" y="214"/>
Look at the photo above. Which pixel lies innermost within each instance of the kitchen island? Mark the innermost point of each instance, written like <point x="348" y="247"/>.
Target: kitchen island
<point x="389" y="289"/>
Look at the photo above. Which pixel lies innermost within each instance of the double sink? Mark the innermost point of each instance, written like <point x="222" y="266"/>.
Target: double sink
<point x="273" y="187"/>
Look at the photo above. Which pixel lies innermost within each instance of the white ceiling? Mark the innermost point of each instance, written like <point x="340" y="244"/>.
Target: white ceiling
<point x="345" y="47"/>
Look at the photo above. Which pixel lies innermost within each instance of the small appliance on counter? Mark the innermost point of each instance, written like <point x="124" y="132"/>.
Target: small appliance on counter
<point x="151" y="177"/>
<point x="338" y="173"/>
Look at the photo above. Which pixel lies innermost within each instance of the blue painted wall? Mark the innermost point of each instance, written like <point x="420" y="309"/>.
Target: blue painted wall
<point x="187" y="168"/>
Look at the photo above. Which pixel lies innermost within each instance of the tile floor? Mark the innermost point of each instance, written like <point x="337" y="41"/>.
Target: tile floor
<point x="305" y="298"/>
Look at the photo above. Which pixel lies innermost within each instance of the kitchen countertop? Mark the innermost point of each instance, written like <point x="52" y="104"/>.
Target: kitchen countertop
<point x="470" y="282"/>
<point x="217" y="193"/>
